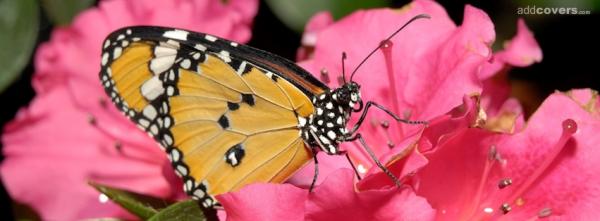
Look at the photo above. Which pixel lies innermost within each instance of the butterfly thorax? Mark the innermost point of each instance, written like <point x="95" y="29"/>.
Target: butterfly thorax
<point x="326" y="127"/>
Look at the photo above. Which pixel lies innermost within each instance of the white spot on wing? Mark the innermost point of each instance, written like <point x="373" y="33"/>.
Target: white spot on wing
<point x="144" y="123"/>
<point x="104" y="58"/>
<point x="234" y="44"/>
<point x="164" y="59"/>
<point x="154" y="129"/>
<point x="269" y="74"/>
<point x="182" y="170"/>
<point x="167" y="122"/>
<point x="241" y="68"/>
<point x="169" y="140"/>
<point x="225" y="56"/>
<point x="152" y="88"/>
<point x="170" y="91"/>
<point x="175" y="155"/>
<point x="200" y="47"/>
<point x="117" y="52"/>
<point x="302" y="121"/>
<point x="199" y="193"/>
<point x="172" y="75"/>
<point x="210" y="38"/>
<point x="186" y="63"/>
<point x="232" y="159"/>
<point x="161" y="64"/>
<point x="176" y="34"/>
<point x="150" y="112"/>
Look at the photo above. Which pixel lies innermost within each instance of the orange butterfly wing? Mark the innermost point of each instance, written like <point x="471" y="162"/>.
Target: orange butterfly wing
<point x="224" y="119"/>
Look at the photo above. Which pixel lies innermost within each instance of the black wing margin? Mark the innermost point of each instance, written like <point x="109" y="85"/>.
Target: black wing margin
<point x="263" y="59"/>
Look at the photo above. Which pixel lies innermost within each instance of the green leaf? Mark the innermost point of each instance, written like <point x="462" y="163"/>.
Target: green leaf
<point x="181" y="211"/>
<point x="19" y="23"/>
<point x="295" y="14"/>
<point x="62" y="12"/>
<point x="137" y="204"/>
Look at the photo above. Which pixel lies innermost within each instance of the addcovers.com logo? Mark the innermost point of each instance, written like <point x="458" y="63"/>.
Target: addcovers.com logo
<point x="536" y="10"/>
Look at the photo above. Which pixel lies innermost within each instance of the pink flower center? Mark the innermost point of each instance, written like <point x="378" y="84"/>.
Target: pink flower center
<point x="499" y="202"/>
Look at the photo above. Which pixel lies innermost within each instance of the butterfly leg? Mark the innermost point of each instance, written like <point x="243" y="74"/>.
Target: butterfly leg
<point x="353" y="167"/>
<point x="314" y="150"/>
<point x="312" y="184"/>
<point x="360" y="139"/>
<point x="373" y="104"/>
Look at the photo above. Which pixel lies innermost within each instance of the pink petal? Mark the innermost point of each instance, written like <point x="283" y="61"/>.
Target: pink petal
<point x="569" y="186"/>
<point x="337" y="199"/>
<point x="61" y="152"/>
<point x="456" y="178"/>
<point x="587" y="99"/>
<point x="521" y="51"/>
<point x="404" y="162"/>
<point x="318" y="22"/>
<point x="265" y="202"/>
<point x="327" y="165"/>
<point x="438" y="59"/>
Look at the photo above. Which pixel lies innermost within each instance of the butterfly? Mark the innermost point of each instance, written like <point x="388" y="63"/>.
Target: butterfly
<point x="227" y="114"/>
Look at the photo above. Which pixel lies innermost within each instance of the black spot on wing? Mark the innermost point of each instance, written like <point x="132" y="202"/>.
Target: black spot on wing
<point x="248" y="99"/>
<point x="223" y="122"/>
<point x="274" y="77"/>
<point x="233" y="106"/>
<point x="234" y="155"/>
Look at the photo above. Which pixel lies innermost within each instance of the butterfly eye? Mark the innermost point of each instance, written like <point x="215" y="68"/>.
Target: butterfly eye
<point x="354" y="96"/>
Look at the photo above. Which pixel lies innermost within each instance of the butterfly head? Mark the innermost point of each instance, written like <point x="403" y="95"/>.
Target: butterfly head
<point x="348" y="95"/>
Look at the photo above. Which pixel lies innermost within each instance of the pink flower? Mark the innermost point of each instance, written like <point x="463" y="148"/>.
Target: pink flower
<point x="430" y="67"/>
<point x="547" y="170"/>
<point x="69" y="135"/>
<point x="505" y="113"/>
<point x="309" y="38"/>
<point x="335" y="199"/>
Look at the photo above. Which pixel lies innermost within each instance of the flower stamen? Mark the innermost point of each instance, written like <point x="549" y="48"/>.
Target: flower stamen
<point x="545" y="212"/>
<point x="569" y="128"/>
<point x="504" y="183"/>
<point x="492" y="157"/>
<point x="91" y="119"/>
<point x="325" y="76"/>
<point x="103" y="103"/>
<point x="386" y="48"/>
<point x="505" y="208"/>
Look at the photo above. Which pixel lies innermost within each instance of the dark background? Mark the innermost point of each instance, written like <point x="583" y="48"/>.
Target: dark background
<point x="568" y="42"/>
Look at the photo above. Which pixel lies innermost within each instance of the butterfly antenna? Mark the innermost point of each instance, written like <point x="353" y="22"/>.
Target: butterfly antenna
<point x="344" y="67"/>
<point x="387" y="39"/>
